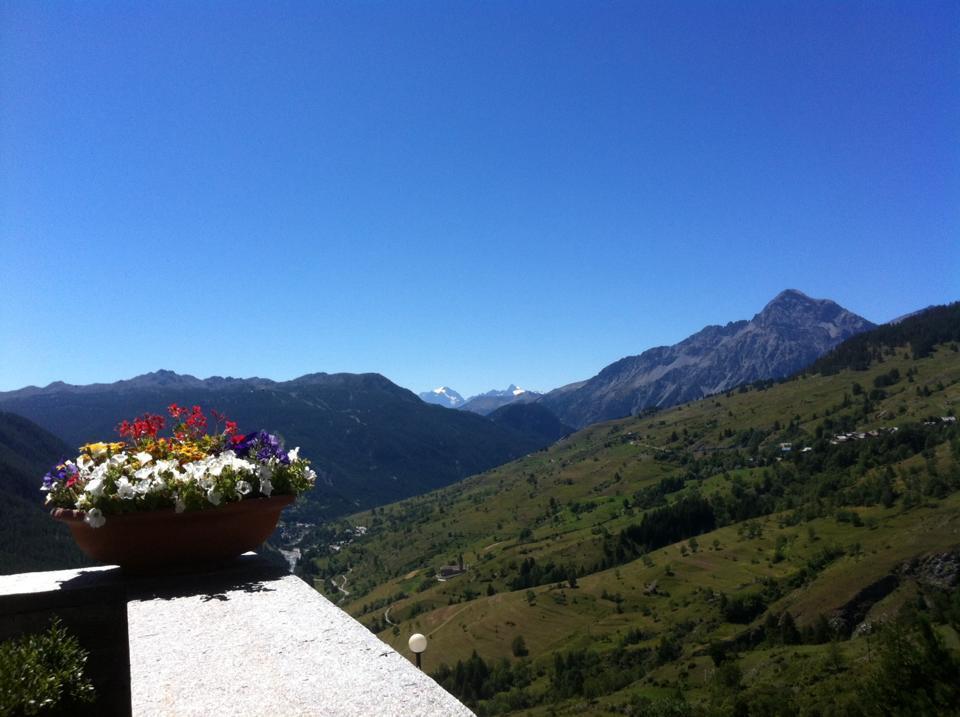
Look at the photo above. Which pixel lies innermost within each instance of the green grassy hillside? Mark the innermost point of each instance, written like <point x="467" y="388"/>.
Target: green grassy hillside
<point x="698" y="559"/>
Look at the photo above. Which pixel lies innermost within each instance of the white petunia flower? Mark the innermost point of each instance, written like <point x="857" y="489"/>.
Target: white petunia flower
<point x="266" y="487"/>
<point x="125" y="490"/>
<point x="294" y="454"/>
<point x="213" y="496"/>
<point x="167" y="466"/>
<point x="117" y="459"/>
<point x="94" y="487"/>
<point x="192" y="471"/>
<point x="85" y="464"/>
<point x="179" y="506"/>
<point x="143" y="457"/>
<point x="94" y="518"/>
<point x="243" y="487"/>
<point x="310" y="475"/>
<point x="83" y="502"/>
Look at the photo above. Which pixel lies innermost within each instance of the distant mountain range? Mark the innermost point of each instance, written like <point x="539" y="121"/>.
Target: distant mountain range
<point x="487" y="403"/>
<point x="483" y="403"/>
<point x="789" y="333"/>
<point x="370" y="440"/>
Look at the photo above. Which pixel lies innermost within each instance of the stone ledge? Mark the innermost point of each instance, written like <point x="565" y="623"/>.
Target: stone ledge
<point x="251" y="640"/>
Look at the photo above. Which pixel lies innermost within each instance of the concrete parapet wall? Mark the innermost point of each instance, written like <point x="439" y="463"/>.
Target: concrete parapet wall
<point x="250" y="640"/>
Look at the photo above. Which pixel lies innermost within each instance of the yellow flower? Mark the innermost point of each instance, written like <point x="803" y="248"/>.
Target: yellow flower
<point x="188" y="452"/>
<point x="157" y="448"/>
<point x="100" y="449"/>
<point x="95" y="449"/>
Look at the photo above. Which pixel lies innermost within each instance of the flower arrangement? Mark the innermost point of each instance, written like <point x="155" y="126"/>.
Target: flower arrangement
<point x="190" y="470"/>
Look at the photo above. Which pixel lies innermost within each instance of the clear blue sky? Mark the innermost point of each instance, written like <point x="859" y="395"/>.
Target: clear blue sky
<point x="459" y="193"/>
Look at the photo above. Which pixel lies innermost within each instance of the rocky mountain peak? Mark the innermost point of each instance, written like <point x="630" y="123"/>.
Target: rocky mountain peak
<point x="793" y="311"/>
<point x="789" y="333"/>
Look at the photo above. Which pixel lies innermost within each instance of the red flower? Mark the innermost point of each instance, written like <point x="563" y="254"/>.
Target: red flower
<point x="196" y="421"/>
<point x="146" y="425"/>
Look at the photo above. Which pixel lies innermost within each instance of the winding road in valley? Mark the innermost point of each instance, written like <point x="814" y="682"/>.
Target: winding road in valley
<point x="342" y="587"/>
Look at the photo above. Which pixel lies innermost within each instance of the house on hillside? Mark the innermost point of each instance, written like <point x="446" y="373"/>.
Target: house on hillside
<point x="450" y="571"/>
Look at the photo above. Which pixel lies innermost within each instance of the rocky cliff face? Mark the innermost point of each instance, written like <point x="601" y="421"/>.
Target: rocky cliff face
<point x="791" y="332"/>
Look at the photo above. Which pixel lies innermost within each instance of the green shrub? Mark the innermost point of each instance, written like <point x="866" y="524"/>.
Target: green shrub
<point x="43" y="671"/>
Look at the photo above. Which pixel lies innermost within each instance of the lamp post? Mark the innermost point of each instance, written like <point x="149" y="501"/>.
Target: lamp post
<point x="417" y="643"/>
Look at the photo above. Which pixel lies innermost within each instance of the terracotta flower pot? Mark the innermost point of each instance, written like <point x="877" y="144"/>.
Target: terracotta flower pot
<point x="163" y="540"/>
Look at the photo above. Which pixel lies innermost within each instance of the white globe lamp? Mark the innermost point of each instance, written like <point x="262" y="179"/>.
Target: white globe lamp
<point x="417" y="644"/>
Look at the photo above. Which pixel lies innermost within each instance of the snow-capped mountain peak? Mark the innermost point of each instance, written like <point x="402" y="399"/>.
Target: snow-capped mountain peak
<point x="482" y="403"/>
<point x="490" y="401"/>
<point x="511" y="390"/>
<point x="443" y="396"/>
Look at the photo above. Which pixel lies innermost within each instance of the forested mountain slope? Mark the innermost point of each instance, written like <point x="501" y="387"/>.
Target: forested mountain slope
<point x="29" y="538"/>
<point x="737" y="554"/>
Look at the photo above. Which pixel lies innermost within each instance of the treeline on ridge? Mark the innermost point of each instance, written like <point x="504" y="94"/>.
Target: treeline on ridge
<point x="937" y="325"/>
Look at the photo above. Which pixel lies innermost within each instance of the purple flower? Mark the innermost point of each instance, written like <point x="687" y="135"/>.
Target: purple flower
<point x="60" y="472"/>
<point x="265" y="445"/>
<point x="242" y="448"/>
